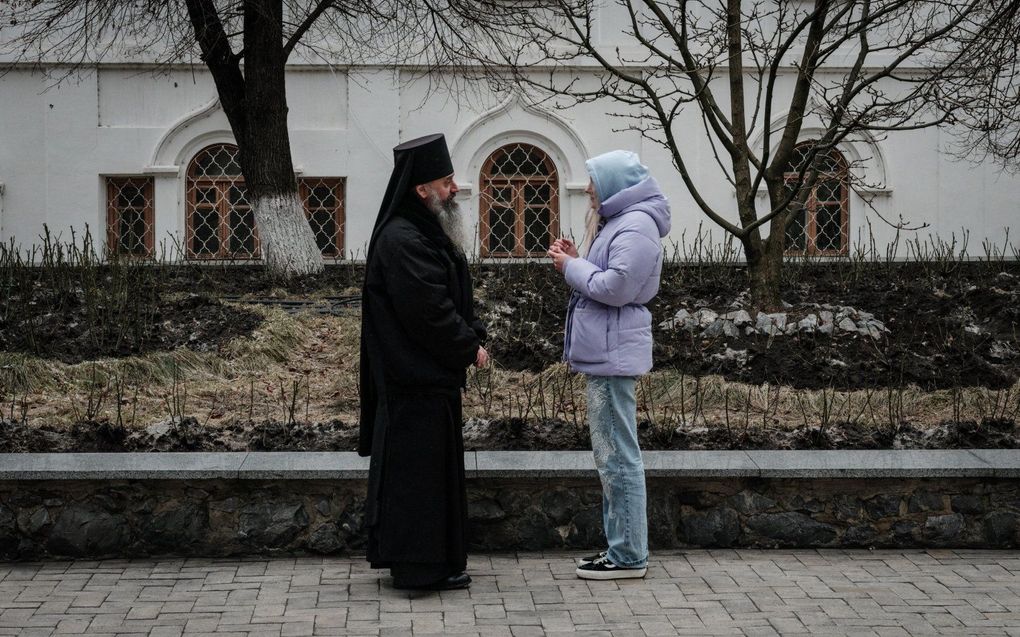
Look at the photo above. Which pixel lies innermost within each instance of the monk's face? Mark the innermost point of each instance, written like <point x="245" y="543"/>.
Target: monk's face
<point x="445" y="188"/>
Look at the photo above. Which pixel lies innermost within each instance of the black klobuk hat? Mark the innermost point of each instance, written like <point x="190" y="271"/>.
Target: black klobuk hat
<point x="429" y="158"/>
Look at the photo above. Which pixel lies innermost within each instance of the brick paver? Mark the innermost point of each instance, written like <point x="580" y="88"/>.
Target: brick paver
<point x="725" y="592"/>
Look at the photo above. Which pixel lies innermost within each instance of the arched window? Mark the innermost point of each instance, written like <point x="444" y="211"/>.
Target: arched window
<point x="519" y="202"/>
<point x="822" y="225"/>
<point x="220" y="221"/>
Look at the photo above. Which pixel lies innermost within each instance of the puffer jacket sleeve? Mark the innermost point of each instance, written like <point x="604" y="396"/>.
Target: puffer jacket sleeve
<point x="633" y="255"/>
<point x="416" y="281"/>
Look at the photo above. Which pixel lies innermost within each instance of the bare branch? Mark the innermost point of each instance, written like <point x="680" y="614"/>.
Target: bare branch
<point x="305" y="25"/>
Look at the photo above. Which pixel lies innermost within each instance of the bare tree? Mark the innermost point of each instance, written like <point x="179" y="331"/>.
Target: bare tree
<point x="245" y="44"/>
<point x="986" y="99"/>
<point x="847" y="67"/>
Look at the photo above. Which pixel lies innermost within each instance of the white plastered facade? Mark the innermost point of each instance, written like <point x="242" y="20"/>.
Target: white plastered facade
<point x="58" y="144"/>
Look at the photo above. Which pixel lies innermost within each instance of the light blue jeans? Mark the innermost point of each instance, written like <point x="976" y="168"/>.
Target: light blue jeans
<point x="612" y="420"/>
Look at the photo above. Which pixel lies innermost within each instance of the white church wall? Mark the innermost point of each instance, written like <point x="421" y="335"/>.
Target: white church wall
<point x="126" y="121"/>
<point x="908" y="178"/>
<point x="59" y="143"/>
<point x="941" y="195"/>
<point x="22" y="156"/>
<point x="140" y="97"/>
<point x="980" y="200"/>
<point x="47" y="156"/>
<point x="478" y="122"/>
<point x="1001" y="200"/>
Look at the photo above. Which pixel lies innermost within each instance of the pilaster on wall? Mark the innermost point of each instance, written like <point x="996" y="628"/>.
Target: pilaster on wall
<point x="2" y="236"/>
<point x="71" y="145"/>
<point x="168" y="222"/>
<point x="373" y="99"/>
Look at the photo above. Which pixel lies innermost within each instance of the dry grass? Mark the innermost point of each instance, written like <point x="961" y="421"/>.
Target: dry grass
<point x="305" y="367"/>
<point x="241" y="380"/>
<point x="712" y="401"/>
<point x="671" y="398"/>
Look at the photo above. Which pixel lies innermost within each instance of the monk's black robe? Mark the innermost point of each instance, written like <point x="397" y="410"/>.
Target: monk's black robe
<point x="419" y="335"/>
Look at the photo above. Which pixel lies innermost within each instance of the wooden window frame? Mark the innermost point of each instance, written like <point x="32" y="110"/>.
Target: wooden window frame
<point x="339" y="186"/>
<point x="812" y="204"/>
<point x="489" y="182"/>
<point x="114" y="184"/>
<point x="223" y="209"/>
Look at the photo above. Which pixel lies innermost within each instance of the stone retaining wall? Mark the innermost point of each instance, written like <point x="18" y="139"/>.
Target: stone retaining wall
<point x="312" y="503"/>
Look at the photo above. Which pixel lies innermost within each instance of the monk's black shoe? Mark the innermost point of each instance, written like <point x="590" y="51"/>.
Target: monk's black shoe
<point x="451" y="583"/>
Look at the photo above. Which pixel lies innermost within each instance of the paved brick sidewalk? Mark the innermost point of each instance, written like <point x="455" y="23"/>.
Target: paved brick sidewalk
<point x="685" y="592"/>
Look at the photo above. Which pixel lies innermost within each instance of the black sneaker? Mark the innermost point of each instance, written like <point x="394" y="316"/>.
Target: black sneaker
<point x="592" y="558"/>
<point x="603" y="568"/>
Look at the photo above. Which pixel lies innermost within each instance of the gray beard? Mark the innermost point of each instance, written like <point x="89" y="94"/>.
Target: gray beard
<point x="450" y="219"/>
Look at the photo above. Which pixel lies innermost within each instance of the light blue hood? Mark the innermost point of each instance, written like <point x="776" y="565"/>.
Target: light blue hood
<point x="645" y="196"/>
<point x="614" y="171"/>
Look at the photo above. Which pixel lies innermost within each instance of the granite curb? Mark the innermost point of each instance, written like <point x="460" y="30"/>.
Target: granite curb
<point x="973" y="463"/>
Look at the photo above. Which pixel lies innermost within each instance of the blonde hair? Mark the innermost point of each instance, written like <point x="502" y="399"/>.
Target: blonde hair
<point x="591" y="228"/>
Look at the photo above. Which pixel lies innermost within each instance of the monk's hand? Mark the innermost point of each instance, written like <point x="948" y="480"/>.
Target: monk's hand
<point x="481" y="358"/>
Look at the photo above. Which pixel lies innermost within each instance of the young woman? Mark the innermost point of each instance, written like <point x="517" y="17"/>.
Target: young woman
<point x="609" y="339"/>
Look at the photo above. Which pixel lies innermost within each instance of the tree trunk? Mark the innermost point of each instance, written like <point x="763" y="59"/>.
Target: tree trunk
<point x="287" y="241"/>
<point x="255" y="103"/>
<point x="764" y="272"/>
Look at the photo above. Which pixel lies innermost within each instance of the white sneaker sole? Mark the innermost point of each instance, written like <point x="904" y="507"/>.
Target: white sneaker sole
<point x="619" y="573"/>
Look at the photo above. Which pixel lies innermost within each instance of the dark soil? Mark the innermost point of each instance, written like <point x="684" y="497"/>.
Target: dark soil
<point x="198" y="322"/>
<point x="80" y="313"/>
<point x="928" y="344"/>
<point x="927" y="308"/>
<point x="505" y="434"/>
<point x="951" y="324"/>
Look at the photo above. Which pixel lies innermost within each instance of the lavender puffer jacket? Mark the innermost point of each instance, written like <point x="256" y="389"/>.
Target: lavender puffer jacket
<point x="609" y="330"/>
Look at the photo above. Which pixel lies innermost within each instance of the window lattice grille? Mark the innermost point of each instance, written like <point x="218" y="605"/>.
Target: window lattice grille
<point x="519" y="202"/>
<point x="220" y="221"/>
<point x="323" y="201"/>
<point x="821" y="226"/>
<point x="129" y="217"/>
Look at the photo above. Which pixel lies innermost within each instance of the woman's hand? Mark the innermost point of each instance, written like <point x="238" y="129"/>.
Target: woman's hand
<point x="559" y="257"/>
<point x="481" y="358"/>
<point x="561" y="251"/>
<point x="566" y="246"/>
